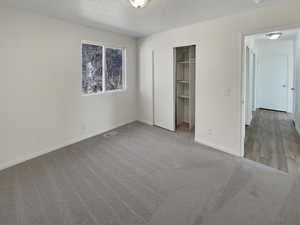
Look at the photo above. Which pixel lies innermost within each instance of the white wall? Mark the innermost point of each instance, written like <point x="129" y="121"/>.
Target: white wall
<point x="218" y="73"/>
<point x="267" y="48"/>
<point x="40" y="90"/>
<point x="297" y="81"/>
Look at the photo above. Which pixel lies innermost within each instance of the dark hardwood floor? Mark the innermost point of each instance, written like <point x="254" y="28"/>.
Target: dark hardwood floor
<point x="273" y="140"/>
<point x="143" y="175"/>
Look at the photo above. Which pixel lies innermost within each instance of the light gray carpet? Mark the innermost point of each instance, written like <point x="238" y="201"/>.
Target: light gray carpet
<point x="144" y="175"/>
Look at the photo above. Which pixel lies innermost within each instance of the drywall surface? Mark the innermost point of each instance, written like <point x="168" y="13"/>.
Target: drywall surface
<point x="218" y="70"/>
<point x="297" y="81"/>
<point x="269" y="48"/>
<point x="40" y="90"/>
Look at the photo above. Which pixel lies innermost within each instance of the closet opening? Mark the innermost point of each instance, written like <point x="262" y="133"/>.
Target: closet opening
<point x="185" y="65"/>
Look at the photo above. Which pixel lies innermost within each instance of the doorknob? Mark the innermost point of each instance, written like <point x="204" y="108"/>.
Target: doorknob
<point x="284" y="86"/>
<point x="293" y="89"/>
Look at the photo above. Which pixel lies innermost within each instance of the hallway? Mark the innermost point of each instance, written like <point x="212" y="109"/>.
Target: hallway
<point x="273" y="140"/>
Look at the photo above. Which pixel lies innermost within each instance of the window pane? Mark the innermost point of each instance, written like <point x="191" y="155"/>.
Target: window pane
<point x="113" y="75"/>
<point x="92" y="56"/>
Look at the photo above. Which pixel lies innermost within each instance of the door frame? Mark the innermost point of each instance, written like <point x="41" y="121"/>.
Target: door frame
<point x="241" y="68"/>
<point x="250" y="91"/>
<point x="254" y="72"/>
<point x="247" y="85"/>
<point x="187" y="44"/>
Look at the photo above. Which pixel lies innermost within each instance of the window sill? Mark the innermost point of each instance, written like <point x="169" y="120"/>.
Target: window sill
<point x="104" y="92"/>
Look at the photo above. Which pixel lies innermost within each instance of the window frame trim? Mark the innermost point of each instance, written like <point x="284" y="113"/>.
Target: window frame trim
<point x="124" y="67"/>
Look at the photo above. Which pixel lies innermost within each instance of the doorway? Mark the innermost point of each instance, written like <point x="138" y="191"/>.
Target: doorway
<point x="173" y="74"/>
<point x="269" y="101"/>
<point x="185" y="65"/>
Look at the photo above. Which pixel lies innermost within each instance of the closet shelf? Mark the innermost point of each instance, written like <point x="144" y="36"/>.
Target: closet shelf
<point x="184" y="96"/>
<point x="185" y="62"/>
<point x="183" y="81"/>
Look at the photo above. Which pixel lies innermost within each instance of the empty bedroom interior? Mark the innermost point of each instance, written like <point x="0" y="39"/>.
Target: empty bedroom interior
<point x="150" y="112"/>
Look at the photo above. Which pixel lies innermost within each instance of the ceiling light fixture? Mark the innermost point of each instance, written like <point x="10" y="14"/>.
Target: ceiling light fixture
<point x="139" y="3"/>
<point x="258" y="1"/>
<point x="274" y="35"/>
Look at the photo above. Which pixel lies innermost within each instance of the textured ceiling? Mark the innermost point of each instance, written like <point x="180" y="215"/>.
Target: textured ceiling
<point x="120" y="16"/>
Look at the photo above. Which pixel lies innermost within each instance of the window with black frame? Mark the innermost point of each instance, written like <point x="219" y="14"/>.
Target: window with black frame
<point x="114" y="69"/>
<point x="102" y="68"/>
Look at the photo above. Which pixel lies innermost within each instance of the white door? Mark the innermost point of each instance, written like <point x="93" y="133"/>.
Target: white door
<point x="164" y="105"/>
<point x="272" y="82"/>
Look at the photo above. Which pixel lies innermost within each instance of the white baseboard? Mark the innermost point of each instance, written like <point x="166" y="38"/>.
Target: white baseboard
<point x="33" y="155"/>
<point x="218" y="147"/>
<point x="146" y="122"/>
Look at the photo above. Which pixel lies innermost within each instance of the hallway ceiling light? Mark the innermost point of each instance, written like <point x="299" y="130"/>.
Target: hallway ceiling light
<point x="274" y="35"/>
<point x="139" y="3"/>
<point x="257" y="1"/>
